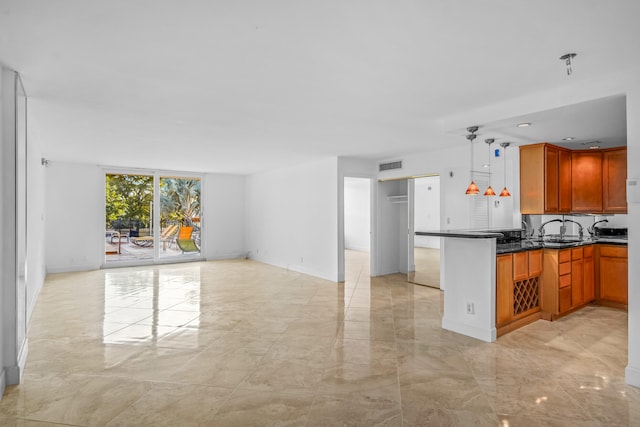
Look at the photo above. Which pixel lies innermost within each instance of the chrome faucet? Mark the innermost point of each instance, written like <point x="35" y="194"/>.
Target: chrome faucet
<point x="592" y="229"/>
<point x="541" y="229"/>
<point x="526" y="230"/>
<point x="580" y="229"/>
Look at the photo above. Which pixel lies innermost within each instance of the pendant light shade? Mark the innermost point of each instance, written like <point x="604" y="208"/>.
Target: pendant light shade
<point x="472" y="189"/>
<point x="505" y="192"/>
<point x="489" y="191"/>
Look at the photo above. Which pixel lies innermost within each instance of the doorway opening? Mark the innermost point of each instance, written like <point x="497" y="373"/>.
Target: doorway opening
<point x="357" y="228"/>
<point x="424" y="215"/>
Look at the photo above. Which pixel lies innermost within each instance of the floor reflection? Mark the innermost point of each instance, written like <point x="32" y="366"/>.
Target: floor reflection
<point x="242" y="343"/>
<point x="151" y="305"/>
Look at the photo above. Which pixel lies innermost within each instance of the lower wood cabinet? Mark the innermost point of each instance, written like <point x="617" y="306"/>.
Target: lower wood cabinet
<point x="517" y="289"/>
<point x="568" y="280"/>
<point x="613" y="274"/>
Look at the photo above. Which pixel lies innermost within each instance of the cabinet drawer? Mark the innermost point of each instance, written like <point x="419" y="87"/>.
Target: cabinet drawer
<point x="576" y="254"/>
<point x="613" y="251"/>
<point x="564" y="255"/>
<point x="565" y="299"/>
<point x="565" y="280"/>
<point x="564" y="268"/>
<point x="587" y="251"/>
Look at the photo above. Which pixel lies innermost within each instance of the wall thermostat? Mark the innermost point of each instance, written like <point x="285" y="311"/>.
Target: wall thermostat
<point x="633" y="190"/>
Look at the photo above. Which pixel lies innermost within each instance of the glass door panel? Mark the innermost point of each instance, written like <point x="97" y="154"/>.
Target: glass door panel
<point x="129" y="234"/>
<point x="180" y="217"/>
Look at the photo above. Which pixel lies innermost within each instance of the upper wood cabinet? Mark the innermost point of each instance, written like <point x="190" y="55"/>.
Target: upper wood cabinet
<point x="555" y="180"/>
<point x="586" y="181"/>
<point x="614" y="177"/>
<point x="545" y="179"/>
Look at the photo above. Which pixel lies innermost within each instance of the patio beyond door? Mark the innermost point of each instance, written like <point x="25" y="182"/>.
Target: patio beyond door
<point x="151" y="217"/>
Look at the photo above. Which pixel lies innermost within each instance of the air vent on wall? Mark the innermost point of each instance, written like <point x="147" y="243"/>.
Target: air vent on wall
<point x="390" y="165"/>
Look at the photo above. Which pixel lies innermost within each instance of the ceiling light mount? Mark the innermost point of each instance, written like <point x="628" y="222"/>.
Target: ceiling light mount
<point x="489" y="191"/>
<point x="472" y="189"/>
<point x="505" y="191"/>
<point x="567" y="57"/>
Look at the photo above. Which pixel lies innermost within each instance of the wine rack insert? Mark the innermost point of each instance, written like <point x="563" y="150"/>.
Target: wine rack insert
<point x="526" y="295"/>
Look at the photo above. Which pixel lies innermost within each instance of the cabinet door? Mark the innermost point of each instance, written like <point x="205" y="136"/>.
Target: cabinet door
<point x="588" y="280"/>
<point x="564" y="299"/>
<point x="564" y="181"/>
<point x="551" y="179"/>
<point x="586" y="181"/>
<point x="613" y="279"/>
<point x="532" y="179"/>
<point x="535" y="263"/>
<point x="576" y="282"/>
<point x="504" y="289"/>
<point x="614" y="176"/>
<point x="520" y="266"/>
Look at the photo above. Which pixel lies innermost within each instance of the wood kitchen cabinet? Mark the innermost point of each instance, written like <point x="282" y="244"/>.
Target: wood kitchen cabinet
<point x="614" y="178"/>
<point x="586" y="181"/>
<point x="556" y="286"/>
<point x="504" y="289"/>
<point x="517" y="289"/>
<point x="612" y="274"/>
<point x="545" y="179"/>
<point x="589" y="274"/>
<point x="568" y="280"/>
<point x="577" y="277"/>
<point x="555" y="180"/>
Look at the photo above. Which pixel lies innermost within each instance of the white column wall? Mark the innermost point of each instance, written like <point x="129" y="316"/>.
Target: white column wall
<point x="633" y="171"/>
<point x="292" y="218"/>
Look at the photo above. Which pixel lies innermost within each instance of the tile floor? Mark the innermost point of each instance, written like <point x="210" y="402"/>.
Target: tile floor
<point x="239" y="343"/>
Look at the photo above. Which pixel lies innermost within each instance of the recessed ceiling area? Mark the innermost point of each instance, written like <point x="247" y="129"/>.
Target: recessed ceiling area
<point x="600" y="122"/>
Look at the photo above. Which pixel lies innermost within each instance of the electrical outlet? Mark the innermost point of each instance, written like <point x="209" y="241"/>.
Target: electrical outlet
<point x="470" y="307"/>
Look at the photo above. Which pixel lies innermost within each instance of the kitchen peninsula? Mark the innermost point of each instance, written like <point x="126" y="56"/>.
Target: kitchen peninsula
<point x="495" y="282"/>
<point x="468" y="273"/>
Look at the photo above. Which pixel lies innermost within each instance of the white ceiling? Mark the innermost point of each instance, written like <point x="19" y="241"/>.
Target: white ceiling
<point x="243" y="86"/>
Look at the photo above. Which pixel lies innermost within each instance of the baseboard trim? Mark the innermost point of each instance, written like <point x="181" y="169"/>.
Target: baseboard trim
<point x="632" y="376"/>
<point x="487" y="335"/>
<point x="3" y="383"/>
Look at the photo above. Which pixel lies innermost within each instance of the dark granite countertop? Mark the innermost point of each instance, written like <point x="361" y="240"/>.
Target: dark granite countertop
<point x="468" y="234"/>
<point x="528" y="245"/>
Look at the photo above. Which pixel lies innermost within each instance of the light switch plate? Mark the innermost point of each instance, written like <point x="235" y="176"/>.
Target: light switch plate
<point x="633" y="190"/>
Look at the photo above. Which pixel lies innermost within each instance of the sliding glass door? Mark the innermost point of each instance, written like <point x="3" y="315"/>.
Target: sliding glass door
<point x="179" y="217"/>
<point x="151" y="217"/>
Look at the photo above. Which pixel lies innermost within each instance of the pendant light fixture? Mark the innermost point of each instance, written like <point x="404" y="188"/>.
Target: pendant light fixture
<point x="472" y="189"/>
<point x="505" y="192"/>
<point x="489" y="191"/>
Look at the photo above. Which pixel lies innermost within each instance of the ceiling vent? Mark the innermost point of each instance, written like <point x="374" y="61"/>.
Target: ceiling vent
<point x="390" y="165"/>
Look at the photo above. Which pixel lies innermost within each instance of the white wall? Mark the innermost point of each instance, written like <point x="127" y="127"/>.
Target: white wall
<point x="357" y="213"/>
<point x="4" y="228"/>
<point x="427" y="210"/>
<point x="75" y="216"/>
<point x="452" y="164"/>
<point x="36" y="265"/>
<point x="223" y="216"/>
<point x="291" y="218"/>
